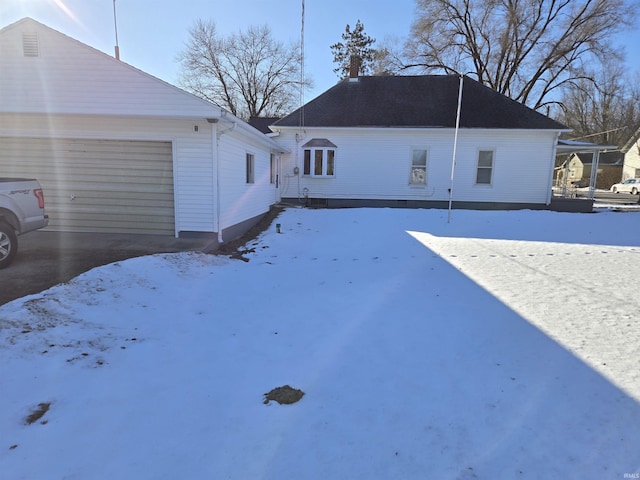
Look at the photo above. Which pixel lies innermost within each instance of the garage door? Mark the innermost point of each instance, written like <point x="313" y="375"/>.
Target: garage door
<point x="98" y="185"/>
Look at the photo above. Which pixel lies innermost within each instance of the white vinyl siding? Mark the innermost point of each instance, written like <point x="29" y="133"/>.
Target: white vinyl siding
<point x="240" y="200"/>
<point x="374" y="165"/>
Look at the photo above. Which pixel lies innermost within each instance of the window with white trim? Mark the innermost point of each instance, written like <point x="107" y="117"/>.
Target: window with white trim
<point x="484" y="172"/>
<point x="251" y="165"/>
<point x="319" y="158"/>
<point x="272" y="169"/>
<point x="418" y="174"/>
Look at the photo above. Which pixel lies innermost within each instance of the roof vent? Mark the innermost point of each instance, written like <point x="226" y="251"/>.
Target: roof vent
<point x="30" y="46"/>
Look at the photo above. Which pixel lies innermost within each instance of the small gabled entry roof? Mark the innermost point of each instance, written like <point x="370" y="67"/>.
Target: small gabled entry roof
<point x="319" y="143"/>
<point x="428" y="101"/>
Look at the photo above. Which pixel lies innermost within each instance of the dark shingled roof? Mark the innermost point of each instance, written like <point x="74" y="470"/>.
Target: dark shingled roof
<point x="262" y="123"/>
<point x="416" y="101"/>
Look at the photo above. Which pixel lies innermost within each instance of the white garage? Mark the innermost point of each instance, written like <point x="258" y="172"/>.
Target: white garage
<point x="118" y="150"/>
<point x="98" y="185"/>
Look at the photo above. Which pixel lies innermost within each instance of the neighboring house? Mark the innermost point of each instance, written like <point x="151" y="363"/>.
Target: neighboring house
<point x="118" y="150"/>
<point x="631" y="151"/>
<point x="575" y="170"/>
<point x="389" y="141"/>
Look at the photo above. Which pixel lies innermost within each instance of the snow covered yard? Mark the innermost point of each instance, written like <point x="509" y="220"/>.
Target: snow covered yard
<point x="501" y="345"/>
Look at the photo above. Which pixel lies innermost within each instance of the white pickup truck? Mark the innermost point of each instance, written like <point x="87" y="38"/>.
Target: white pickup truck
<point x="21" y="211"/>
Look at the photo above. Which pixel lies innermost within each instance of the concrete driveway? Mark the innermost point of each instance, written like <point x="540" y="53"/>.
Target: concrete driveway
<point x="48" y="258"/>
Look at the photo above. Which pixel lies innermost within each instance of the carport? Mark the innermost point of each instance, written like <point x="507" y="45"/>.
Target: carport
<point x="568" y="147"/>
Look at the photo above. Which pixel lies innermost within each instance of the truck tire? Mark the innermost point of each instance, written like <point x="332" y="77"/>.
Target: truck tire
<point x="8" y="245"/>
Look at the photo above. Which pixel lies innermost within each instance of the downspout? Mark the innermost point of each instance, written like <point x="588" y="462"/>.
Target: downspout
<point x="216" y="135"/>
<point x="296" y="169"/>
<point x="565" y="178"/>
<point x="595" y="161"/>
<point x="551" y="167"/>
<point x="216" y="172"/>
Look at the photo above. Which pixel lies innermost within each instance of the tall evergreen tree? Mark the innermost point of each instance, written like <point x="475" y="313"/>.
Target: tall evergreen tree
<point x="355" y="42"/>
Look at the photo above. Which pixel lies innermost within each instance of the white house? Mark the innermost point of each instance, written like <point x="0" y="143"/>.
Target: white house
<point x="118" y="150"/>
<point x="390" y="141"/>
<point x="631" y="151"/>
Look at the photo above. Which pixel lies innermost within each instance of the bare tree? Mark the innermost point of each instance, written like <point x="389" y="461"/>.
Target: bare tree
<point x="249" y="73"/>
<point x="605" y="110"/>
<point x="525" y="49"/>
<point x="388" y="58"/>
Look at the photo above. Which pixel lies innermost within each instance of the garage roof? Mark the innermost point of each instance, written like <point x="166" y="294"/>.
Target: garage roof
<point x="45" y="71"/>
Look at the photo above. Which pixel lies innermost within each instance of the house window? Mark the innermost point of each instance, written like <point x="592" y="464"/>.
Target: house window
<point x="318" y="162"/>
<point x="418" y="168"/>
<point x="272" y="168"/>
<point x="319" y="158"/>
<point x="485" y="167"/>
<point x="251" y="164"/>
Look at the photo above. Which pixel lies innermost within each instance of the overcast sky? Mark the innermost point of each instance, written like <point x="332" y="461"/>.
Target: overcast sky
<point x="151" y="33"/>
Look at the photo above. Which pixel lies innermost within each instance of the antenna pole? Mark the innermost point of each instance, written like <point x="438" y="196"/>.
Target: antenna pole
<point x="302" y="69"/>
<point x="455" y="146"/>
<point x="115" y="26"/>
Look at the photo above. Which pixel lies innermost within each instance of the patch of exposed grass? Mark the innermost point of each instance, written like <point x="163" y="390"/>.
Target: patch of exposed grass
<point x="38" y="413"/>
<point x="234" y="248"/>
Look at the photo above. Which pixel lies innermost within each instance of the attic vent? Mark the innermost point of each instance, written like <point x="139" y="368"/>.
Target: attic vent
<point x="30" y="46"/>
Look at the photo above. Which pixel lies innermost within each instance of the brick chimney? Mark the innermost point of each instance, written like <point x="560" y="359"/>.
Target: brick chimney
<point x="354" y="68"/>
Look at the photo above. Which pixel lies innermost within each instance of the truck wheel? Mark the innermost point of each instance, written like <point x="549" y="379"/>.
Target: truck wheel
<point x="8" y="245"/>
